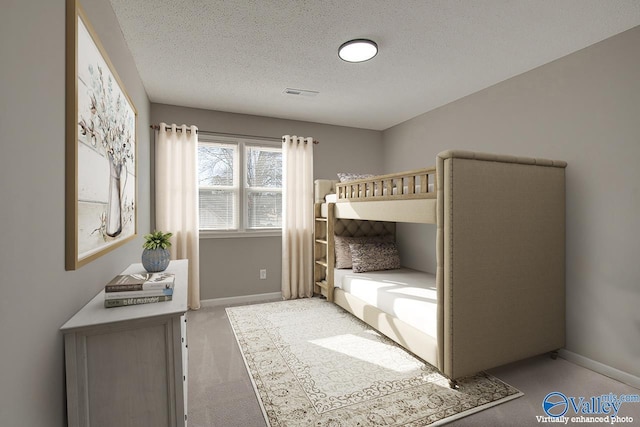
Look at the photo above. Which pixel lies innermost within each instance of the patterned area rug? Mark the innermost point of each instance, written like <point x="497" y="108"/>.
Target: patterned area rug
<point x="314" y="364"/>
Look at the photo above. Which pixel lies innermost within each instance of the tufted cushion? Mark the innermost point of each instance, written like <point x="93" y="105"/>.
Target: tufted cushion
<point x="374" y="256"/>
<point x="356" y="228"/>
<point x="343" y="251"/>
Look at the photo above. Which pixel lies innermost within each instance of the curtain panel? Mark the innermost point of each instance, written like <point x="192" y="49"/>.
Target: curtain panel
<point x="297" y="217"/>
<point x="176" y="193"/>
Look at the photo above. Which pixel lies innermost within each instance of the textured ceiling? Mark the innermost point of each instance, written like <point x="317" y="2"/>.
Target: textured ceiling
<point x="239" y="56"/>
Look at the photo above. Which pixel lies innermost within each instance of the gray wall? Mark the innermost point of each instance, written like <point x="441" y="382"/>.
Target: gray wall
<point x="585" y="109"/>
<point x="230" y="266"/>
<point x="38" y="295"/>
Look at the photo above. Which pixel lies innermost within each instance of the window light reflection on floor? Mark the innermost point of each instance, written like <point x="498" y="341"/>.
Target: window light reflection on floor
<point x="370" y="350"/>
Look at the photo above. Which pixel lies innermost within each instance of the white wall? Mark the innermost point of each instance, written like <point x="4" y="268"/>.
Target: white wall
<point x="37" y="294"/>
<point x="584" y="109"/>
<point x="230" y="267"/>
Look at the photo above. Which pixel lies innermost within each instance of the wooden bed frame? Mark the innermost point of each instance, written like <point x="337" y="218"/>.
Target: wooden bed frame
<point x="500" y="255"/>
<point x="412" y="201"/>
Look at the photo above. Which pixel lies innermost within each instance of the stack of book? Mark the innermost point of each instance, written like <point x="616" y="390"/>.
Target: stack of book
<point x="144" y="288"/>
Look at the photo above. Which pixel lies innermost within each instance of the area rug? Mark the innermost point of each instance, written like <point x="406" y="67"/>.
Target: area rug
<point x="314" y="364"/>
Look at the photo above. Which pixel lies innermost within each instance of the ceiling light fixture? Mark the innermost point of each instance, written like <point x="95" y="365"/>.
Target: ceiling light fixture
<point x="358" y="50"/>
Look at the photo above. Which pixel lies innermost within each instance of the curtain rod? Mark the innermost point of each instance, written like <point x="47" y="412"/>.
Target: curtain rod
<point x="236" y="135"/>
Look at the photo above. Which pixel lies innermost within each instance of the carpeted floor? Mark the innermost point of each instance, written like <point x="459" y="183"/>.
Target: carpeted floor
<point x="314" y="364"/>
<point x="221" y="393"/>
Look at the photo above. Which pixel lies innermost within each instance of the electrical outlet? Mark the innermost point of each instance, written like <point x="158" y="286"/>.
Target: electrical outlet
<point x="263" y="274"/>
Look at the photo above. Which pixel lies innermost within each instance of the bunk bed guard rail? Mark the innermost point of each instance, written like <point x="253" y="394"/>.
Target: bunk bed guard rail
<point x="418" y="184"/>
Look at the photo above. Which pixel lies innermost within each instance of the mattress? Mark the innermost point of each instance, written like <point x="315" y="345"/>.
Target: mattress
<point x="407" y="294"/>
<point x="421" y="211"/>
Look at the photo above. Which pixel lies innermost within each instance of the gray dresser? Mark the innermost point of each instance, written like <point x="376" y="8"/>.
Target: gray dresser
<point x="127" y="366"/>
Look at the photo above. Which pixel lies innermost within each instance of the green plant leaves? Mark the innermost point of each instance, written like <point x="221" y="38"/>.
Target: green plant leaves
<point x="157" y="240"/>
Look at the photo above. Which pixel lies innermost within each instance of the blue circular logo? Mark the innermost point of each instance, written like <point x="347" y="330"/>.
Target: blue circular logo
<point x="555" y="404"/>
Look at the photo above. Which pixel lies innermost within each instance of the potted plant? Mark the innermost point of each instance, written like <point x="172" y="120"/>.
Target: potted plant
<point x="155" y="256"/>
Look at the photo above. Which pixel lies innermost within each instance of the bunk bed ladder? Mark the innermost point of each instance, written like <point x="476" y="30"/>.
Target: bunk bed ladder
<point x="323" y="251"/>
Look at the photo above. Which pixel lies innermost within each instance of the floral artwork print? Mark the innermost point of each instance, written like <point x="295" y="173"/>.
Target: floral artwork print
<point x="106" y="144"/>
<point x="106" y="128"/>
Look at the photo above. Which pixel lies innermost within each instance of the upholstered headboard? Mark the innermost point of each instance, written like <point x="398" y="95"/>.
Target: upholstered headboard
<point x="356" y="228"/>
<point x="322" y="187"/>
<point x="501" y="259"/>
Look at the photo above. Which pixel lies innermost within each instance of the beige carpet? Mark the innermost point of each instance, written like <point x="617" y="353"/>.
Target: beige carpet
<point x="313" y="364"/>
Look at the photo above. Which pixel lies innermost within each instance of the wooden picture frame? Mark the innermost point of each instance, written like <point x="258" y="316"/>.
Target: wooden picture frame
<point x="101" y="148"/>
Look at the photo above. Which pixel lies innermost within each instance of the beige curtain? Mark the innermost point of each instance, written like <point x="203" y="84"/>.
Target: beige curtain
<point x="297" y="217"/>
<point x="176" y="191"/>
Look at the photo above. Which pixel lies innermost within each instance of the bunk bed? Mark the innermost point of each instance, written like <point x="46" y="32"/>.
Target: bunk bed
<point x="498" y="294"/>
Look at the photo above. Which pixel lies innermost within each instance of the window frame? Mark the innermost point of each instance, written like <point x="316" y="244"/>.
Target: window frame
<point x="240" y="174"/>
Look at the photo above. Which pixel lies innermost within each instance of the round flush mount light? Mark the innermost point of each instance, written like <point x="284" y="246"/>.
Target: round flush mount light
<point x="358" y="50"/>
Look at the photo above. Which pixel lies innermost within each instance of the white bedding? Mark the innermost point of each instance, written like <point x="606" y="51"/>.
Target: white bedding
<point x="409" y="295"/>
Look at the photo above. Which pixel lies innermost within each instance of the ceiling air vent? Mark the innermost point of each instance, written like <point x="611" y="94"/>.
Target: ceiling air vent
<point x="301" y="92"/>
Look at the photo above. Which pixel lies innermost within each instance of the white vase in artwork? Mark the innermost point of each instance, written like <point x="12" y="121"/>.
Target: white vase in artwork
<point x="114" y="207"/>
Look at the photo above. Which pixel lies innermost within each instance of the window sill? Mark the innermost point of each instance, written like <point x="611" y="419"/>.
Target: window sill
<point x="206" y="234"/>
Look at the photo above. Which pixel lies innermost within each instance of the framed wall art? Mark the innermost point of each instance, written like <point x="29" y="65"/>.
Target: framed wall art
<point x="101" y="148"/>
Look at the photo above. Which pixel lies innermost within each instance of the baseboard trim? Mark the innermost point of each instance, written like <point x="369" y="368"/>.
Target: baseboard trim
<point x="243" y="299"/>
<point x="600" y="368"/>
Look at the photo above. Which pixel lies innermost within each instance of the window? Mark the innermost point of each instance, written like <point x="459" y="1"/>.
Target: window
<point x="263" y="187"/>
<point x="240" y="184"/>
